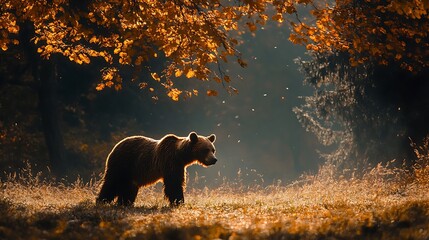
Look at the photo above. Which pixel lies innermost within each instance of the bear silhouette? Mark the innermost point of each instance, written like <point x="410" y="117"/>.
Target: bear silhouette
<point x="139" y="161"/>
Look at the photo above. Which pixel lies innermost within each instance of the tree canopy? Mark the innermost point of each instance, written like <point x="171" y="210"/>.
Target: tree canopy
<point x="193" y="36"/>
<point x="383" y="31"/>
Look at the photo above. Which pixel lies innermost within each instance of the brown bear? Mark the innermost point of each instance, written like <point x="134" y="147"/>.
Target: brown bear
<point x="141" y="161"/>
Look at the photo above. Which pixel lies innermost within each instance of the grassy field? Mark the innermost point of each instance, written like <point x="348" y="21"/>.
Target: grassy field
<point x="384" y="204"/>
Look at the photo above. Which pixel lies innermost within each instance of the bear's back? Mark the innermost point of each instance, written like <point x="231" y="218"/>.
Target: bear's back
<point x="131" y="148"/>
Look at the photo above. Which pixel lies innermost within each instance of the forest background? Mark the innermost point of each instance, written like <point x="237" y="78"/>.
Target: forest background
<point x="72" y="85"/>
<point x="338" y="149"/>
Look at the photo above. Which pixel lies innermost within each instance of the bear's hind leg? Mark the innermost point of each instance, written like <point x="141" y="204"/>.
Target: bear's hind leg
<point x="127" y="194"/>
<point x="107" y="193"/>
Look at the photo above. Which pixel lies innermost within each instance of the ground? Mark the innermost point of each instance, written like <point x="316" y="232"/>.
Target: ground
<point x="380" y="205"/>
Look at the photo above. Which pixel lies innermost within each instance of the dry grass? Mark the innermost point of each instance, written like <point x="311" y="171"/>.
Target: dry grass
<point x="384" y="204"/>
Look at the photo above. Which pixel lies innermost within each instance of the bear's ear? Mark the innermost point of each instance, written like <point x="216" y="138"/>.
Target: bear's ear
<point x="212" y="138"/>
<point x="193" y="137"/>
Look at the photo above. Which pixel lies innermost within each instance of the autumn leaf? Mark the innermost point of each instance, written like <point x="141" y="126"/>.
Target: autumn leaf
<point x="143" y="85"/>
<point x="108" y="76"/>
<point x="232" y="90"/>
<point x="227" y="78"/>
<point x="190" y="73"/>
<point x="84" y="58"/>
<point x="212" y="93"/>
<point x="217" y="79"/>
<point x="100" y="86"/>
<point x="109" y="84"/>
<point x="252" y="27"/>
<point x="294" y="38"/>
<point x="242" y="63"/>
<point x="174" y="94"/>
<point x="118" y="87"/>
<point x="278" y="17"/>
<point x="178" y="73"/>
<point x="155" y="77"/>
<point x="139" y="61"/>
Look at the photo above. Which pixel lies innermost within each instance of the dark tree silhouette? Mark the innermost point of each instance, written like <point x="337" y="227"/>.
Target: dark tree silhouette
<point x="369" y="113"/>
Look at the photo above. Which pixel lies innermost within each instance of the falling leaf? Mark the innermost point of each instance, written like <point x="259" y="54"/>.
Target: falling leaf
<point x="227" y="78"/>
<point x="217" y="79"/>
<point x="242" y="63"/>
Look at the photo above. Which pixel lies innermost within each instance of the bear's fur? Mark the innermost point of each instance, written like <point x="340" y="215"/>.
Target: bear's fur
<point x="141" y="161"/>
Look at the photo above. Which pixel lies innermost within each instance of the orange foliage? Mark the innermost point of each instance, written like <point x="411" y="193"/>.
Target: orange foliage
<point x="195" y="34"/>
<point x="379" y="30"/>
<point x="191" y="34"/>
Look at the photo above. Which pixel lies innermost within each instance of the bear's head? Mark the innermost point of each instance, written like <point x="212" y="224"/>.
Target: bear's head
<point x="202" y="149"/>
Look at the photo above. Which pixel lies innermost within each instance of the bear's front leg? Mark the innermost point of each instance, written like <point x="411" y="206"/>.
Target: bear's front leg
<point x="127" y="194"/>
<point x="173" y="189"/>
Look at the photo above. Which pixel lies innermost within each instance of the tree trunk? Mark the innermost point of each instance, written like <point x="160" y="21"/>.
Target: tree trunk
<point x="46" y="74"/>
<point x="45" y="77"/>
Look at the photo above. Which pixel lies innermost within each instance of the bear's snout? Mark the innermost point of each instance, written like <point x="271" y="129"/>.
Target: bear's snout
<point x="211" y="161"/>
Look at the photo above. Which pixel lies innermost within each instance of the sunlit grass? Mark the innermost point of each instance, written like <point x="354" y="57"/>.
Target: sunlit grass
<point x="385" y="203"/>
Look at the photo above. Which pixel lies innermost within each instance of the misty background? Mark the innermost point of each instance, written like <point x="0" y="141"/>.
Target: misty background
<point x="259" y="138"/>
<point x="258" y="135"/>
